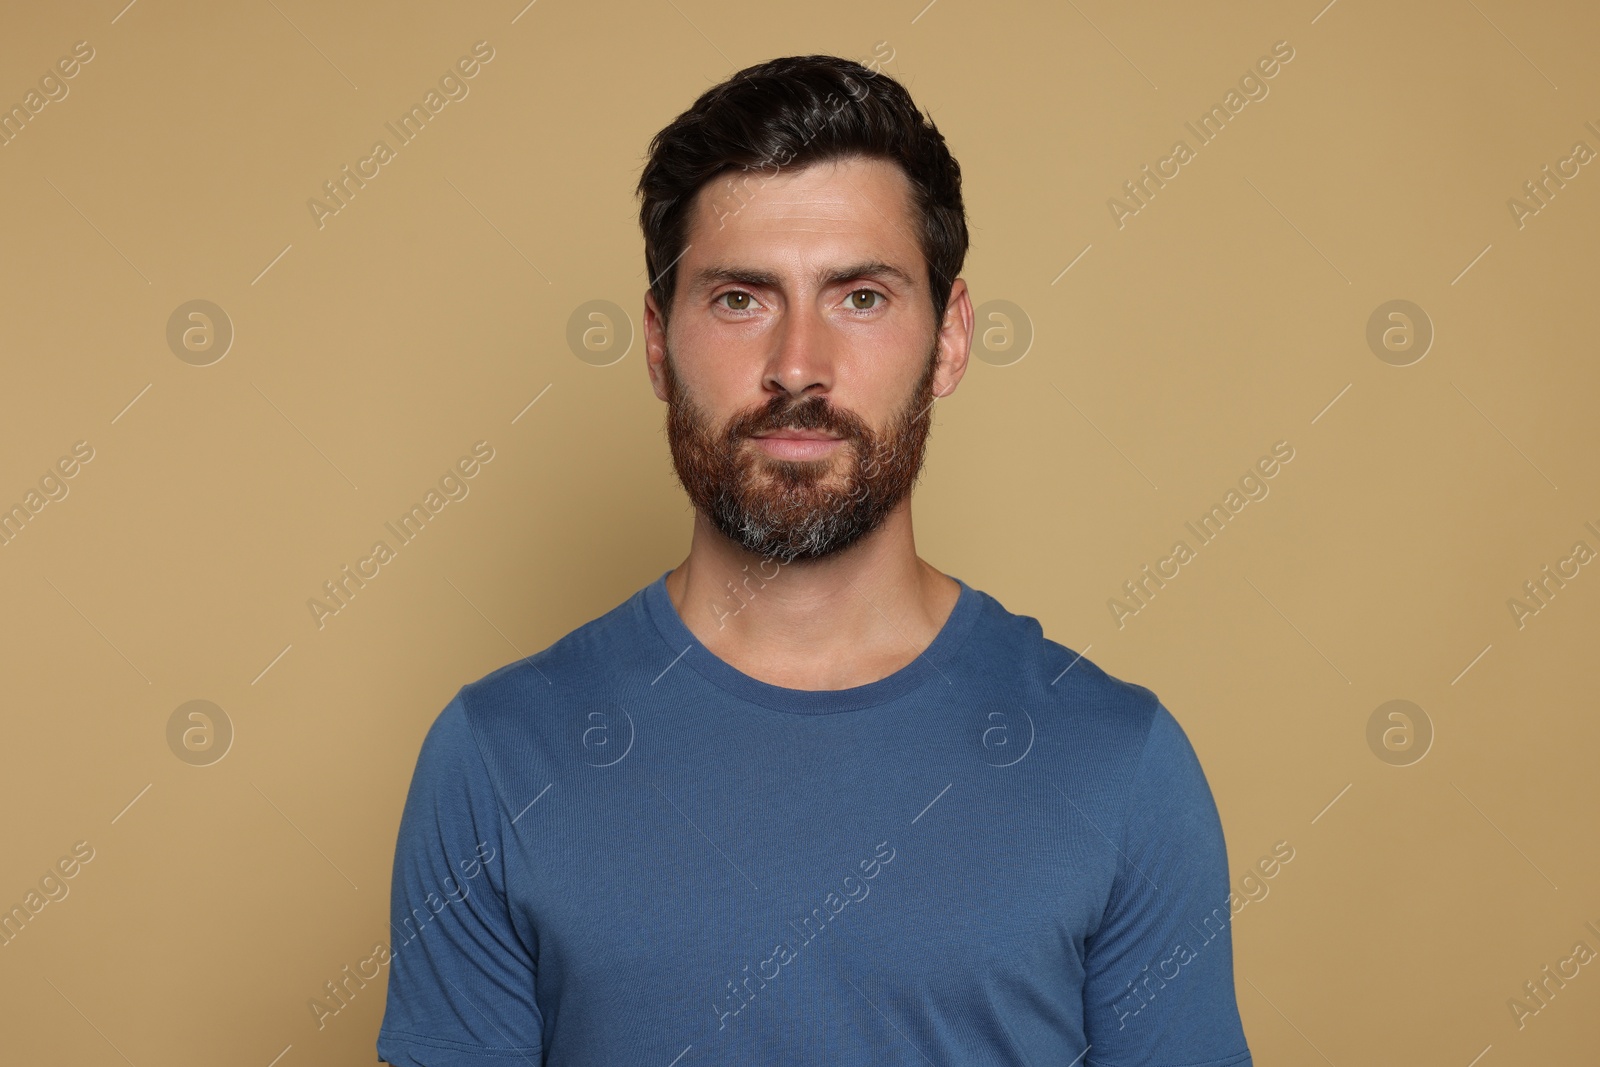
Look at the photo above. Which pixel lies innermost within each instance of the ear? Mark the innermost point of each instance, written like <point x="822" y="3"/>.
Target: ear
<point x="955" y="340"/>
<point x="655" y="344"/>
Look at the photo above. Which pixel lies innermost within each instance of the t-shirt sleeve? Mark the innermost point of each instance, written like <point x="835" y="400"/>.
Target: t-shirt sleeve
<point x="1158" y="988"/>
<point x="461" y="974"/>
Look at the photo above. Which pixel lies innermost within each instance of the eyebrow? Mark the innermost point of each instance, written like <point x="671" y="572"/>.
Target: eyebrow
<point x="718" y="273"/>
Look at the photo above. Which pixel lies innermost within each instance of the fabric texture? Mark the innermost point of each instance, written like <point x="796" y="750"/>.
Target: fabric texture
<point x="622" y="850"/>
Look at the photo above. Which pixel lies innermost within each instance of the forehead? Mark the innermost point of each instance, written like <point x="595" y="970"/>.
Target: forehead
<point x="842" y="210"/>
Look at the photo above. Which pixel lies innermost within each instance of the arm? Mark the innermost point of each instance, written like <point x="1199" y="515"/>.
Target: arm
<point x="1158" y="987"/>
<point x="461" y="975"/>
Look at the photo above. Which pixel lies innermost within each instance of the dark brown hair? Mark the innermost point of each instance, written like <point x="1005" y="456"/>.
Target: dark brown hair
<point x="792" y="112"/>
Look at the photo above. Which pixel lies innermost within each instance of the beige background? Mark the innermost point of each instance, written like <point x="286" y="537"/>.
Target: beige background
<point x="370" y="354"/>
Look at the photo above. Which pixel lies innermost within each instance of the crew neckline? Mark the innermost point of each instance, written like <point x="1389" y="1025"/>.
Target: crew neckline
<point x="691" y="653"/>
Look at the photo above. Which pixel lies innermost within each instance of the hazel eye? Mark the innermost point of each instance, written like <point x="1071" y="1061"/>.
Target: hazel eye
<point x="739" y="300"/>
<point x="872" y="296"/>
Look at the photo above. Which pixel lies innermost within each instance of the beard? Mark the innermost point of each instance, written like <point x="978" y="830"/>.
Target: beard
<point x="797" y="509"/>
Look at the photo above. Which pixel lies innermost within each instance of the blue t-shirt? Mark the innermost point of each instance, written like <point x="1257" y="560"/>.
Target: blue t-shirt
<point x="622" y="850"/>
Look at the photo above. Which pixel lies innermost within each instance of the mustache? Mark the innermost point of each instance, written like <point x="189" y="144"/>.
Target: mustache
<point x="808" y="413"/>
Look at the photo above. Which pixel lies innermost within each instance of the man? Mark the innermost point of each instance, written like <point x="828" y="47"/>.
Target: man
<point x="805" y="799"/>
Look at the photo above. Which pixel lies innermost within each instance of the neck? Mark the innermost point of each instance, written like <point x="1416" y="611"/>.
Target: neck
<point x="831" y="623"/>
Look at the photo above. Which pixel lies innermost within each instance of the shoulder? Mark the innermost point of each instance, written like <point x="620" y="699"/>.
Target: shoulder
<point x="574" y="663"/>
<point x="1011" y="651"/>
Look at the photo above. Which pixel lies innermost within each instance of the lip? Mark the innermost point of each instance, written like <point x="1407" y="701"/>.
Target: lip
<point x="796" y="444"/>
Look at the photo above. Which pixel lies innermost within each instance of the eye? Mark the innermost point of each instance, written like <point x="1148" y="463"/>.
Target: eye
<point x="873" y="300"/>
<point x="739" y="300"/>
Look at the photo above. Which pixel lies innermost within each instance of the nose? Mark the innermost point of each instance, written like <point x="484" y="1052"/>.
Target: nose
<point x="802" y="360"/>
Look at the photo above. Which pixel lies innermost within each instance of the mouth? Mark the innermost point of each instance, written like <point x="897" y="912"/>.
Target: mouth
<point x="796" y="435"/>
<point x="796" y="444"/>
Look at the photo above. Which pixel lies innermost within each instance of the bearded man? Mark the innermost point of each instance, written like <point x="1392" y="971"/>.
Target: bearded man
<point x="805" y="798"/>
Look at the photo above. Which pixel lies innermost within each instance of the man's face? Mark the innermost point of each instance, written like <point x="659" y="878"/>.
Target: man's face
<point x="802" y="310"/>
